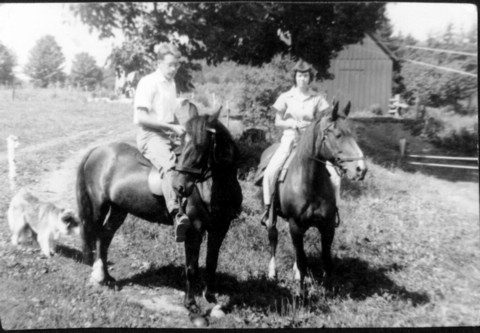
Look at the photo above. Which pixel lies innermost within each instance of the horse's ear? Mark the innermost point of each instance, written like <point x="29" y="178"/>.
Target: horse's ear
<point x="335" y="111"/>
<point x="216" y="114"/>
<point x="346" y="109"/>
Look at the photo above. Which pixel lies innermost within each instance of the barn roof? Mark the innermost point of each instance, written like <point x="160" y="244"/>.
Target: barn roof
<point x="382" y="46"/>
<point x="370" y="48"/>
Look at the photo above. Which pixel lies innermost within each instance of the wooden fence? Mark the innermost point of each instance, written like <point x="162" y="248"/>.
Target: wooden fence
<point x="415" y="159"/>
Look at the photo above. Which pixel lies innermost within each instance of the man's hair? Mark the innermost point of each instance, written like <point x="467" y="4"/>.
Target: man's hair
<point x="162" y="49"/>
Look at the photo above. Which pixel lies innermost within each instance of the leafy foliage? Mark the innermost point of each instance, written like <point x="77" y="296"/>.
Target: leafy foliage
<point x="46" y="62"/>
<point x="85" y="72"/>
<point x="438" y="87"/>
<point x="7" y="62"/>
<point x="246" y="33"/>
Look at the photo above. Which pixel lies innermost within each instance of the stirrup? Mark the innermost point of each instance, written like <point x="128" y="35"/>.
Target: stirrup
<point x="337" y="217"/>
<point x="263" y="220"/>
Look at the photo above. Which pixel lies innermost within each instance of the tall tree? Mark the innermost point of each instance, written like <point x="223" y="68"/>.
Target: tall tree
<point x="45" y="64"/>
<point x="247" y="33"/>
<point x="7" y="62"/>
<point x="85" y="72"/>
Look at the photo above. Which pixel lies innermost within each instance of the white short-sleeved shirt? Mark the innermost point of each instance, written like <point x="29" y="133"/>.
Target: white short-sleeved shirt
<point x="292" y="104"/>
<point x="158" y="95"/>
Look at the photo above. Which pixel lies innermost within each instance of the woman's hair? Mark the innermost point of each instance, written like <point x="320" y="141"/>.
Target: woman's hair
<point x="302" y="66"/>
<point x="295" y="76"/>
<point x="162" y="49"/>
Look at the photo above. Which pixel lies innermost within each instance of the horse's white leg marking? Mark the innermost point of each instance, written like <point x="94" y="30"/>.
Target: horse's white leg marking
<point x="296" y="271"/>
<point x="15" y="237"/>
<point x="272" y="269"/>
<point x="98" y="275"/>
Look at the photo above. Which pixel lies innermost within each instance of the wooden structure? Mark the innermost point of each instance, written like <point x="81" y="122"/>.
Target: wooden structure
<point x="420" y="159"/>
<point x="363" y="74"/>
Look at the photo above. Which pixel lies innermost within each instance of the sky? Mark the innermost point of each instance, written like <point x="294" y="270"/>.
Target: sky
<point x="22" y="24"/>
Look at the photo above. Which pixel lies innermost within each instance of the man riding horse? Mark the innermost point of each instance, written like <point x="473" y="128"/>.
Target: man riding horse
<point x="159" y="129"/>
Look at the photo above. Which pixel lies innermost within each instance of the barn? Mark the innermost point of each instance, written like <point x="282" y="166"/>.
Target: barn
<point x="363" y="74"/>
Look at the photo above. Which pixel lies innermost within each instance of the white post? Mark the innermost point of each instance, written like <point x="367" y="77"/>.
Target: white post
<point x="228" y="116"/>
<point x="403" y="144"/>
<point x="213" y="101"/>
<point x="12" y="143"/>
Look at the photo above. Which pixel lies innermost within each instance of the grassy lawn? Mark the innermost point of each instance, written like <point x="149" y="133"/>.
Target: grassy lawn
<point x="406" y="252"/>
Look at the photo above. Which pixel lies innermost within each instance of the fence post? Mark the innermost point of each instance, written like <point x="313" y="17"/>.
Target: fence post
<point x="228" y="116"/>
<point x="403" y="145"/>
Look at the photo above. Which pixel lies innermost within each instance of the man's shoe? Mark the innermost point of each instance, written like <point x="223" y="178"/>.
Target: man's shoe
<point x="182" y="223"/>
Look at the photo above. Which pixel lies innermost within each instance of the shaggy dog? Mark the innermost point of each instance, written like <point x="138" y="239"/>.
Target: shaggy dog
<point x="26" y="214"/>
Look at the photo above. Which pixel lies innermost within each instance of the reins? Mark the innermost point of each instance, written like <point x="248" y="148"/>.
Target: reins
<point x="336" y="159"/>
<point x="204" y="173"/>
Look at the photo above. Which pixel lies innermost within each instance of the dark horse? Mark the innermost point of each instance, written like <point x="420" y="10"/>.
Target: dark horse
<point x="112" y="182"/>
<point x="306" y="197"/>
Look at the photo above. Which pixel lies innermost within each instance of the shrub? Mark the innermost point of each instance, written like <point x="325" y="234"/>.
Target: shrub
<point x="250" y="153"/>
<point x="462" y="141"/>
<point x="376" y="109"/>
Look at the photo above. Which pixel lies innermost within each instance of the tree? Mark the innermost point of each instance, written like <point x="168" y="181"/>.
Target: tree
<point x="46" y="60"/>
<point x="247" y="33"/>
<point x="85" y="72"/>
<point x="7" y="62"/>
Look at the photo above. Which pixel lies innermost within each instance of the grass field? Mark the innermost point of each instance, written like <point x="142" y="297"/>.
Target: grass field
<point x="406" y="254"/>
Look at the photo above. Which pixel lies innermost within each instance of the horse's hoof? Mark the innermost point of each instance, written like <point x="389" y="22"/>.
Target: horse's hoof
<point x="217" y="312"/>
<point x="112" y="284"/>
<point x="199" y="321"/>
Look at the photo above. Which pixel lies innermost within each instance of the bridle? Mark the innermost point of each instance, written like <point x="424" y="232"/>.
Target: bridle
<point x="205" y="173"/>
<point x="337" y="160"/>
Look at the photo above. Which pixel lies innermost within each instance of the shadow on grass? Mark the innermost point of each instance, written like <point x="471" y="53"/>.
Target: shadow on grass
<point x="70" y="252"/>
<point x="356" y="279"/>
<point x="252" y="293"/>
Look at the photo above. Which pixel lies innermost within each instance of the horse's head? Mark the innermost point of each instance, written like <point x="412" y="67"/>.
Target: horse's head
<point x="336" y="143"/>
<point x="208" y="149"/>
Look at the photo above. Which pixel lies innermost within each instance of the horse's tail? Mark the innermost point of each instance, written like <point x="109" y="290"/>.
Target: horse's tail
<point x="85" y="212"/>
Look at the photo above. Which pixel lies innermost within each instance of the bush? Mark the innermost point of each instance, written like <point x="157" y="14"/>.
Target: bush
<point x="376" y="109"/>
<point x="463" y="141"/>
<point x="250" y="153"/>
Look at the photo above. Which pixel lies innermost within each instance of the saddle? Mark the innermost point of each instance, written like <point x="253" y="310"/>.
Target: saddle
<point x="266" y="157"/>
<point x="155" y="176"/>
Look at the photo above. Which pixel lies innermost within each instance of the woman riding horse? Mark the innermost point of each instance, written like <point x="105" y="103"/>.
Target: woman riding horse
<point x="295" y="109"/>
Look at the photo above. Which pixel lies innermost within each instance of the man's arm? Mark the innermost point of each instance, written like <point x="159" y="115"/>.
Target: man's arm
<point x="146" y="119"/>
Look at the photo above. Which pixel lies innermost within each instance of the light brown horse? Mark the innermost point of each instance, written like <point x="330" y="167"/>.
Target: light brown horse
<point x="112" y="181"/>
<point x="306" y="197"/>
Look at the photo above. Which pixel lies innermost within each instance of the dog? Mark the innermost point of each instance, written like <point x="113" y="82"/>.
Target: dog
<point x="27" y="214"/>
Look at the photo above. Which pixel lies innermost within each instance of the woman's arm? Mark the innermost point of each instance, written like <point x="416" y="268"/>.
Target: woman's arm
<point x="285" y="123"/>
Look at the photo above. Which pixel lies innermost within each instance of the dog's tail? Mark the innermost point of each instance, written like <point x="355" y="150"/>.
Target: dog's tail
<point x="85" y="212"/>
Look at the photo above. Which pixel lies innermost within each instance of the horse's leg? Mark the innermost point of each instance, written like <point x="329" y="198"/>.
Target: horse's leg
<point x="327" y="232"/>
<point x="301" y="259"/>
<point x="113" y="221"/>
<point x="273" y="240"/>
<point x="215" y="240"/>
<point x="193" y="240"/>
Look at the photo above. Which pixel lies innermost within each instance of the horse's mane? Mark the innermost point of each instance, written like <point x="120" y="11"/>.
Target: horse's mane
<point x="306" y="143"/>
<point x="196" y="127"/>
